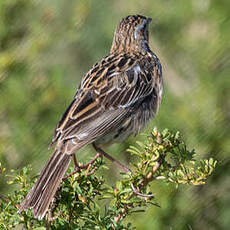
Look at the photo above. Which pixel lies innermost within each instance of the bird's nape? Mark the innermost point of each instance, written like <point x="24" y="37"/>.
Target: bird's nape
<point x="130" y="34"/>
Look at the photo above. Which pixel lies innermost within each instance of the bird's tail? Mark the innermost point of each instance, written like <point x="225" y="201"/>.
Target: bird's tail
<point x="42" y="193"/>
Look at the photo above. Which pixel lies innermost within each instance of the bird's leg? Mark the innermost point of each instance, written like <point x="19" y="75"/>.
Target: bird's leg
<point x="90" y="162"/>
<point x="77" y="167"/>
<point x="102" y="152"/>
<point x="124" y="168"/>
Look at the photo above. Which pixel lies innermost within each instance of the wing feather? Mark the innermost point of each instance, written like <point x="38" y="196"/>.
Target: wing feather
<point x="105" y="99"/>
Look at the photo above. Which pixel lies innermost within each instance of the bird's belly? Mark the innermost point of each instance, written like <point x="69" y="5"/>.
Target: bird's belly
<point x="134" y="124"/>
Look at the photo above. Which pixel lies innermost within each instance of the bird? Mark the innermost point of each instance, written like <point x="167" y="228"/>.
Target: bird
<point x="116" y="98"/>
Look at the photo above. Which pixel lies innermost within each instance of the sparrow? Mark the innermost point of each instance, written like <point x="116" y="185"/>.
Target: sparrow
<point x="116" y="98"/>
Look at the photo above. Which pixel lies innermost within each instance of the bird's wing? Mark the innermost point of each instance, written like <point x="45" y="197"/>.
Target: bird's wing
<point x="105" y="98"/>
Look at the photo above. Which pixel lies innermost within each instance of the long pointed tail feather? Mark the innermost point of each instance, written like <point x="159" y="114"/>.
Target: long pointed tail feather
<point x="42" y="193"/>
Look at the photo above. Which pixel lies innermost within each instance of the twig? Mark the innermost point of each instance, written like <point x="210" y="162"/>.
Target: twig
<point x="136" y="192"/>
<point x="144" y="181"/>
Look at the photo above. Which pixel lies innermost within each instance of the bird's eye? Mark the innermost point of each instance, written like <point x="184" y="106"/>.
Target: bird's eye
<point x="140" y="31"/>
<point x="143" y="29"/>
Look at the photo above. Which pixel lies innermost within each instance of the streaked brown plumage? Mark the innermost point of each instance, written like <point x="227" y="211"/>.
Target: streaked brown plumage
<point x="115" y="99"/>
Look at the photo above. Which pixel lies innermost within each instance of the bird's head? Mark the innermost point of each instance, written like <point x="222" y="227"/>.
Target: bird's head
<point x="131" y="35"/>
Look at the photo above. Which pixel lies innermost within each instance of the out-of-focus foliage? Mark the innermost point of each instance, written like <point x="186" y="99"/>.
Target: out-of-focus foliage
<point x="77" y="205"/>
<point x="47" y="46"/>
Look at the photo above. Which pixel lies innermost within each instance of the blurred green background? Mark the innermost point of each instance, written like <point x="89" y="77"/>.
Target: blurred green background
<point x="47" y="46"/>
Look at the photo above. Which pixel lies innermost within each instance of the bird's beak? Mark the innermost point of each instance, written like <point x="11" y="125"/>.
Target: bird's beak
<point x="149" y="20"/>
